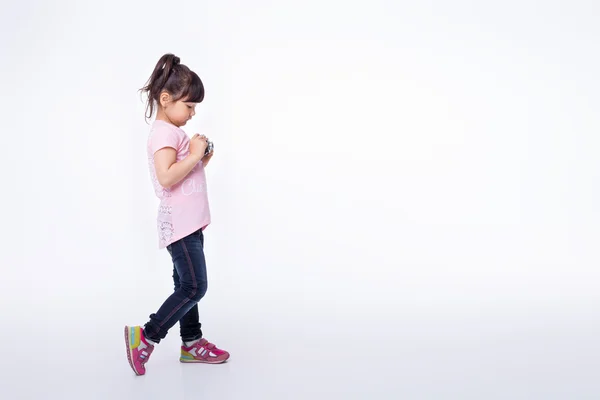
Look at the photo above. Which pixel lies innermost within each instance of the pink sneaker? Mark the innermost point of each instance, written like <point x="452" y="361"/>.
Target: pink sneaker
<point x="203" y="352"/>
<point x="138" y="349"/>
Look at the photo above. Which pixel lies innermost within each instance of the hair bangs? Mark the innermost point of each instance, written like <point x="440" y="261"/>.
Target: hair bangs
<point x="194" y="92"/>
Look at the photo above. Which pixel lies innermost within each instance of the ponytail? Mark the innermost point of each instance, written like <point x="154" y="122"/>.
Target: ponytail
<point x="176" y="79"/>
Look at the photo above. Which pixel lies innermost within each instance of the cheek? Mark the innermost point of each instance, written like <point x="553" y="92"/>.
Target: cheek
<point x="181" y="113"/>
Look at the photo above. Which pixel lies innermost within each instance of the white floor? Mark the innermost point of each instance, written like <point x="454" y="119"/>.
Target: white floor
<point x="298" y="355"/>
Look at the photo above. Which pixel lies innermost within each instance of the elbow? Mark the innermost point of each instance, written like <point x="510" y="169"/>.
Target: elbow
<point x="164" y="182"/>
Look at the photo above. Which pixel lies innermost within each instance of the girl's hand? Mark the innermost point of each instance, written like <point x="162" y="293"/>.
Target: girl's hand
<point x="198" y="145"/>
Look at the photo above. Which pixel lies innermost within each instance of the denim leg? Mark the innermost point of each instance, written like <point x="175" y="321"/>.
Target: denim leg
<point x="189" y="325"/>
<point x="190" y="266"/>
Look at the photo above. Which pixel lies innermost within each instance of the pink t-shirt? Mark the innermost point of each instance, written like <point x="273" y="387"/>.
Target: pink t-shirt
<point x="184" y="206"/>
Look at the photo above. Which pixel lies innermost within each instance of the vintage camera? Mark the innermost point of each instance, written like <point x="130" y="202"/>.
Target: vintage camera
<point x="209" y="148"/>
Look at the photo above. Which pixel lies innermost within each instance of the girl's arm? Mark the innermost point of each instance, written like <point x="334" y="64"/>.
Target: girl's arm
<point x="168" y="171"/>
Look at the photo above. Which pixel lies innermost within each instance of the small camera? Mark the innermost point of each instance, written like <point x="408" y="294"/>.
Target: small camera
<point x="209" y="148"/>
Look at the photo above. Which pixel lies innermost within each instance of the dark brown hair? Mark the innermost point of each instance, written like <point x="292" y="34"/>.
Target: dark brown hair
<point x="174" y="78"/>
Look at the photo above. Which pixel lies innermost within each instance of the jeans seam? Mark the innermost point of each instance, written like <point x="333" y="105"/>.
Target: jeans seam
<point x="194" y="284"/>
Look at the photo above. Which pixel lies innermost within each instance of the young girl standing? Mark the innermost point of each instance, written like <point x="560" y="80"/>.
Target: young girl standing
<point x="177" y="165"/>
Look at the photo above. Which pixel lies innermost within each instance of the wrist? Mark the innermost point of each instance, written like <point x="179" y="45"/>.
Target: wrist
<point x="195" y="157"/>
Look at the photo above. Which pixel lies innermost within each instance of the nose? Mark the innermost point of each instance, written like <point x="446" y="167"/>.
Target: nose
<point x="193" y="112"/>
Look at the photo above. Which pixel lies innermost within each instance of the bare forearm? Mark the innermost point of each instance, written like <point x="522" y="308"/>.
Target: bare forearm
<point x="179" y="170"/>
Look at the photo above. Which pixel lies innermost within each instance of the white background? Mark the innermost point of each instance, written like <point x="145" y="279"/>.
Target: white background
<point x="404" y="198"/>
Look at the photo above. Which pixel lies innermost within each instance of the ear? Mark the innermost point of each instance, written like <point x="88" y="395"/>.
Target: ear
<point x="164" y="98"/>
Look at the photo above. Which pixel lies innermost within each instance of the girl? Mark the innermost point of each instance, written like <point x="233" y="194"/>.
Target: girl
<point x="177" y="170"/>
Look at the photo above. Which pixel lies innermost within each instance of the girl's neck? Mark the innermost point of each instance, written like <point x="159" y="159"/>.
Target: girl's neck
<point x="161" y="116"/>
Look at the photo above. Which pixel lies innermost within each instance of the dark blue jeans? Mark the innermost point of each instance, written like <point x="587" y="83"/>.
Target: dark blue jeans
<point x="189" y="276"/>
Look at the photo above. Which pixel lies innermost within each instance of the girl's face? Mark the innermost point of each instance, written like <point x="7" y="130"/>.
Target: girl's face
<point x="177" y="112"/>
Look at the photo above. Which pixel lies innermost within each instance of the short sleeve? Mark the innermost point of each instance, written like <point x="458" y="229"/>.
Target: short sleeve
<point x="164" y="137"/>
